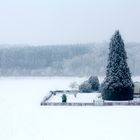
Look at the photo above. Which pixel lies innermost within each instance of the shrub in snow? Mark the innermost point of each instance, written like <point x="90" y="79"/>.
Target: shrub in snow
<point x="74" y="86"/>
<point x="85" y="87"/>
<point x="93" y="80"/>
<point x="117" y="84"/>
<point x="64" y="98"/>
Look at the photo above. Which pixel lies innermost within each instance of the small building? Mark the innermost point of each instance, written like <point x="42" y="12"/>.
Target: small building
<point x="137" y="88"/>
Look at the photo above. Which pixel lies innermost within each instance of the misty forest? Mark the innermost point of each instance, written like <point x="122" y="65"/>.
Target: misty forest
<point x="61" y="60"/>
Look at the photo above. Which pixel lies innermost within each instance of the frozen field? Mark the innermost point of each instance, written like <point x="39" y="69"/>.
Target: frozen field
<point x="22" y="117"/>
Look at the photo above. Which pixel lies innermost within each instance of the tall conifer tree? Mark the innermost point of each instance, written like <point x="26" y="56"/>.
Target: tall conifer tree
<point x="117" y="84"/>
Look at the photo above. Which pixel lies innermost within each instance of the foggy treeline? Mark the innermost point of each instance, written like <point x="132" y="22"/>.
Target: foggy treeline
<point x="61" y="60"/>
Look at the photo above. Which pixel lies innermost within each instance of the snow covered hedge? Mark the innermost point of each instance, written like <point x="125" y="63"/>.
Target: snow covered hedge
<point x="92" y="84"/>
<point x="64" y="98"/>
<point x="93" y="80"/>
<point x="85" y="87"/>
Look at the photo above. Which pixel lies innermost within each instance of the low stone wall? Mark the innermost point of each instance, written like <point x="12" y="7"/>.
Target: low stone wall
<point x="101" y="103"/>
<point x="51" y="93"/>
<point x="47" y="97"/>
<point x="65" y="91"/>
<point x="94" y="103"/>
<point x="128" y="103"/>
<point x="67" y="104"/>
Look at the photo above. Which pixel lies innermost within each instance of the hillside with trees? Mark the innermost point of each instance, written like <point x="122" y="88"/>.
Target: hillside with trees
<point x="61" y="60"/>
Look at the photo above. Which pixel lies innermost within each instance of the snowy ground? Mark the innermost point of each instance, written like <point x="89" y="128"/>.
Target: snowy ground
<point x="22" y="117"/>
<point x="80" y="98"/>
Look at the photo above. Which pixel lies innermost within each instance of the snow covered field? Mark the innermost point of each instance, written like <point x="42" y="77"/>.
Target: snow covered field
<point x="80" y="98"/>
<point x="22" y="117"/>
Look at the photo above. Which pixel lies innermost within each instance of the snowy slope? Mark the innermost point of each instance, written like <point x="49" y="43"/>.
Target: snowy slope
<point x="22" y="117"/>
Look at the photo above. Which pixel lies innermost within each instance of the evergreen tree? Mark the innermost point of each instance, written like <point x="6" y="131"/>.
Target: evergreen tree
<point x="117" y="84"/>
<point x="94" y="81"/>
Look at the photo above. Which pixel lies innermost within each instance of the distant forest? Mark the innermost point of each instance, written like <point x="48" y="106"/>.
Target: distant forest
<point x="61" y="60"/>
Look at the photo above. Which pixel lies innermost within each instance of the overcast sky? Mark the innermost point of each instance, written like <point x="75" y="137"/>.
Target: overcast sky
<point x="43" y="22"/>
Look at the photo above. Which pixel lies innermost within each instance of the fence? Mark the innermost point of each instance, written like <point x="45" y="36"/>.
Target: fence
<point x="94" y="103"/>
